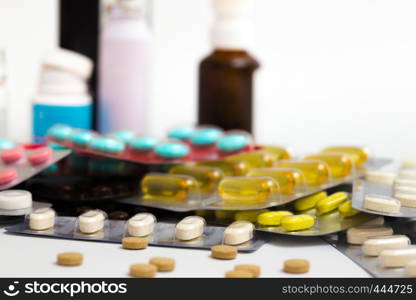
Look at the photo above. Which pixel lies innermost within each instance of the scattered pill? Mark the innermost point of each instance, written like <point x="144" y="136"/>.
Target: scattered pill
<point x="340" y="165"/>
<point x="229" y="168"/>
<point x="249" y="215"/>
<point x="331" y="202"/>
<point x="396" y="258"/>
<point x="315" y="172"/>
<point x="233" y="142"/>
<point x="8" y="175"/>
<point x="382" y="203"/>
<point x="288" y="179"/>
<point x="124" y="135"/>
<point x="134" y="243"/>
<point x="410" y="268"/>
<point x="40" y="156"/>
<point x="272" y="218"/>
<point x="15" y="199"/>
<point x="144" y="144"/>
<point x="406" y="200"/>
<point x="359" y="155"/>
<point x="82" y="138"/>
<point x="69" y="259"/>
<point x="172" y="150"/>
<point x="347" y="210"/>
<point x="163" y="264"/>
<point x="225" y="252"/>
<point x="6" y="144"/>
<point x="253" y="269"/>
<point x="206" y="177"/>
<point x="296" y="266"/>
<point x="141" y="224"/>
<point x="239" y="274"/>
<point x="60" y="132"/>
<point x="42" y="219"/>
<point x="206" y="136"/>
<point x="247" y="189"/>
<point x="12" y="155"/>
<point x="190" y="228"/>
<point x="143" y="270"/>
<point x="309" y="201"/>
<point x="297" y="222"/>
<point x="168" y="186"/>
<point x="182" y="132"/>
<point x="107" y="144"/>
<point x="238" y="232"/>
<point x="359" y="234"/>
<point x="380" y="176"/>
<point x="374" y="245"/>
<point x="91" y="221"/>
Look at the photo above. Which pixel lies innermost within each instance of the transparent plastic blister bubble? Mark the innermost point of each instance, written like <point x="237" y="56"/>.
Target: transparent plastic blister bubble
<point x="92" y="224"/>
<point x="340" y="165"/>
<point x="41" y="220"/>
<point x="164" y="234"/>
<point x="140" y="225"/>
<point x="316" y="172"/>
<point x="360" y="155"/>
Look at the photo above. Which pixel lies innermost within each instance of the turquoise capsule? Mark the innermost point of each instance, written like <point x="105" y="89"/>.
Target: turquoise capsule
<point x="181" y="133"/>
<point x="124" y="135"/>
<point x="6" y="144"/>
<point x="82" y="138"/>
<point x="172" y="150"/>
<point x="233" y="142"/>
<point x="60" y="132"/>
<point x="107" y="144"/>
<point x="206" y="136"/>
<point x="144" y="144"/>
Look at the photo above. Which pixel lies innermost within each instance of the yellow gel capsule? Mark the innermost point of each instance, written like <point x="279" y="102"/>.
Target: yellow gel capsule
<point x="297" y="222"/>
<point x="256" y="159"/>
<point x="315" y="172"/>
<point x="331" y="202"/>
<point x="309" y="201"/>
<point x="286" y="178"/>
<point x="247" y="189"/>
<point x="169" y="187"/>
<point x="229" y="168"/>
<point x="279" y="153"/>
<point x="272" y="218"/>
<point x="358" y="155"/>
<point x="207" y="178"/>
<point x="347" y="210"/>
<point x="249" y="215"/>
<point x="224" y="214"/>
<point x="340" y="165"/>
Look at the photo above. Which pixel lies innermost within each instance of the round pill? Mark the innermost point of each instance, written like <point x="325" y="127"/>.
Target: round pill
<point x="6" y="144"/>
<point x="309" y="201"/>
<point x="238" y="232"/>
<point x="42" y="219"/>
<point x="382" y="204"/>
<point x="163" y="264"/>
<point x="206" y="136"/>
<point x="92" y="221"/>
<point x="82" y="138"/>
<point x="144" y="144"/>
<point x="172" y="150"/>
<point x="359" y="234"/>
<point x="233" y="142"/>
<point x="410" y="268"/>
<point x="397" y="258"/>
<point x="272" y="218"/>
<point x="69" y="259"/>
<point x="239" y="274"/>
<point x="143" y="270"/>
<point x="15" y="199"/>
<point x="296" y="266"/>
<point x="190" y="228"/>
<point x="253" y="269"/>
<point x="141" y="224"/>
<point x="134" y="243"/>
<point x="224" y="252"/>
<point x="182" y="132"/>
<point x="374" y="245"/>
<point x="12" y="155"/>
<point x="380" y="176"/>
<point x="297" y="222"/>
<point x="8" y="175"/>
<point x="347" y="210"/>
<point x="40" y="156"/>
<point x="107" y="144"/>
<point x="125" y="135"/>
<point x="60" y="132"/>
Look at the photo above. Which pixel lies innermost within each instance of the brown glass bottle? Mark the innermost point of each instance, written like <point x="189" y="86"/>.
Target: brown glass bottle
<point x="226" y="89"/>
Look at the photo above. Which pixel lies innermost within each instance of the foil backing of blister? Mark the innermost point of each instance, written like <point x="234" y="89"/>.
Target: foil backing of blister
<point x="114" y="231"/>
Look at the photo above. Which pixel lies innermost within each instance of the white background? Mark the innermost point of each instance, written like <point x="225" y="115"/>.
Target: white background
<point x="333" y="71"/>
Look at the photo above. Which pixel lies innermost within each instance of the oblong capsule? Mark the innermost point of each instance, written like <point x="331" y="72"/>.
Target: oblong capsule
<point x="190" y="228"/>
<point x="347" y="210"/>
<point x="374" y="245"/>
<point x="168" y="186"/>
<point x="309" y="201"/>
<point x="397" y="258"/>
<point x="141" y="224"/>
<point x="331" y="202"/>
<point x="229" y="168"/>
<point x="249" y="215"/>
<point x="247" y="189"/>
<point x="91" y="221"/>
<point x="289" y="180"/>
<point x="315" y="172"/>
<point x="358" y="155"/>
<point x="359" y="234"/>
<point x="279" y="153"/>
<point x="272" y="218"/>
<point x="382" y="203"/>
<point x="238" y="232"/>
<point x="207" y="178"/>
<point x="297" y="222"/>
<point x="340" y="165"/>
<point x="42" y="219"/>
<point x="255" y="159"/>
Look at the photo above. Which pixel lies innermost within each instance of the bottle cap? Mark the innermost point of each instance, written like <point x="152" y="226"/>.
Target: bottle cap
<point x="69" y="61"/>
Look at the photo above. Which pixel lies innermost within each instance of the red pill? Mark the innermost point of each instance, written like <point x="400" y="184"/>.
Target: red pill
<point x="40" y="156"/>
<point x="7" y="175"/>
<point x="12" y="155"/>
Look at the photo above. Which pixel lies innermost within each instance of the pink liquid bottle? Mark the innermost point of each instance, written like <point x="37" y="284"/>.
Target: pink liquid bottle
<point x="125" y="62"/>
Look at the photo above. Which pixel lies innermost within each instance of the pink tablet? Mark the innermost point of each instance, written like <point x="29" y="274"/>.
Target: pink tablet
<point x="12" y="155"/>
<point x="40" y="156"/>
<point x="7" y="175"/>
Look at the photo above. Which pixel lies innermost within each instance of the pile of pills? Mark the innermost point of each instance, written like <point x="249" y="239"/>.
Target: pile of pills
<point x="156" y="264"/>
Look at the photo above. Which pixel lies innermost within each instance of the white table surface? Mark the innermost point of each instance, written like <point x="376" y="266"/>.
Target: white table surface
<point x="23" y="256"/>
